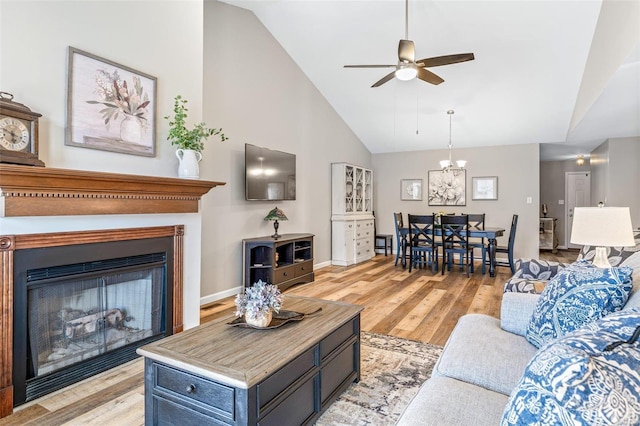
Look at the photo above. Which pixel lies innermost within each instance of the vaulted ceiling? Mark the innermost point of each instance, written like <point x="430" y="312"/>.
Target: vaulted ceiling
<point x="565" y="74"/>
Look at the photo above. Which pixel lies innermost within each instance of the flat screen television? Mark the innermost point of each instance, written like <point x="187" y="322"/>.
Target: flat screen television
<point x="269" y="174"/>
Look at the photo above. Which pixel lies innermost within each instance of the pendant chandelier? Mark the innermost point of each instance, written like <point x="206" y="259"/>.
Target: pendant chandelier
<point x="447" y="165"/>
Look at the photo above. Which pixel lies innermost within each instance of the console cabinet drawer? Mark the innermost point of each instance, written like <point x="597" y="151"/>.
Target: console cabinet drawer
<point x="303" y="268"/>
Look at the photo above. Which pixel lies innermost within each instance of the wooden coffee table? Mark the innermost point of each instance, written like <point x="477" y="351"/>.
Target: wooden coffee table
<point x="218" y="374"/>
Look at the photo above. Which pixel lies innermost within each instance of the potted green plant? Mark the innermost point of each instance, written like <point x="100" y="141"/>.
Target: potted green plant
<point x="257" y="303"/>
<point x="190" y="143"/>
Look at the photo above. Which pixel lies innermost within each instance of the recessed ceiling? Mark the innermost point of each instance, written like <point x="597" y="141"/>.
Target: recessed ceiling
<point x="522" y="87"/>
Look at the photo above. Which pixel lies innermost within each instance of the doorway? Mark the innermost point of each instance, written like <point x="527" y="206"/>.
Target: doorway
<point x="577" y="194"/>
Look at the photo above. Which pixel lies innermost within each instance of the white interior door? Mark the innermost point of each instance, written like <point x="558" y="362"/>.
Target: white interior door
<point x="577" y="194"/>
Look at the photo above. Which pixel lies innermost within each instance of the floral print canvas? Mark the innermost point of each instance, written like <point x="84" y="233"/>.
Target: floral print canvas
<point x="447" y="188"/>
<point x="110" y="107"/>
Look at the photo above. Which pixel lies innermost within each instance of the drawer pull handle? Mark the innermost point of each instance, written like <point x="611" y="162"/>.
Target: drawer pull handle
<point x="191" y="388"/>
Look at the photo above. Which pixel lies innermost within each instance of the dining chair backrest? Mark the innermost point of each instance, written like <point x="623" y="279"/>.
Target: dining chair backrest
<point x="421" y="230"/>
<point x="512" y="232"/>
<point x="476" y="220"/>
<point x="454" y="230"/>
<point x="397" y="219"/>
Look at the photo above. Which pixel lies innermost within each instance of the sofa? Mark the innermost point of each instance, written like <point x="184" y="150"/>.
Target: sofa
<point x="486" y="361"/>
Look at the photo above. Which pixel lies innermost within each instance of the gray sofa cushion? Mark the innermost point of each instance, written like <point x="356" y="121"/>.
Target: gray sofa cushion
<point x="480" y="352"/>
<point x="443" y="401"/>
<point x="516" y="311"/>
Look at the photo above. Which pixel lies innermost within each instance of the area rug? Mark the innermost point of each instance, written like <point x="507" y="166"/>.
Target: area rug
<point x="392" y="370"/>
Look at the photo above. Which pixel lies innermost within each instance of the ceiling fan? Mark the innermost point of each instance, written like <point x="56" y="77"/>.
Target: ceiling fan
<point x="408" y="68"/>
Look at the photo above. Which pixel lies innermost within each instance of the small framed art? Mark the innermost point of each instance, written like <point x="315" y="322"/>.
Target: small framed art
<point x="485" y="188"/>
<point x="411" y="189"/>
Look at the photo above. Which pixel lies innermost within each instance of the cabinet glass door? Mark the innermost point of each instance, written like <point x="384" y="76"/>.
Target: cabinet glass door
<point x="349" y="188"/>
<point x="359" y="196"/>
<point x="367" y="191"/>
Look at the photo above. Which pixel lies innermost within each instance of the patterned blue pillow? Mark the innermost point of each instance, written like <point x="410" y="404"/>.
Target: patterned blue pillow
<point x="577" y="295"/>
<point x="579" y="379"/>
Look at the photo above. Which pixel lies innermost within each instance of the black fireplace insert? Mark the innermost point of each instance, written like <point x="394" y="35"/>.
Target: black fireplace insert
<point x="82" y="309"/>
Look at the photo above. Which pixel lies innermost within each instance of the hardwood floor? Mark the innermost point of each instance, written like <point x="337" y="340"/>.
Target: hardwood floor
<point x="419" y="305"/>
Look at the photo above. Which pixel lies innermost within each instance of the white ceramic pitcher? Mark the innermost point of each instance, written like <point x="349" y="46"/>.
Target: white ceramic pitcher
<point x="189" y="160"/>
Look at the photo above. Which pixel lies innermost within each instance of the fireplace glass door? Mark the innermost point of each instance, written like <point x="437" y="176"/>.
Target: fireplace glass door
<point x="74" y="319"/>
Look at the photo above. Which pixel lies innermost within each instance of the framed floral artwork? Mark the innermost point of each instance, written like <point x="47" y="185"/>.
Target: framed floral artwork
<point x="411" y="189"/>
<point x="447" y="188"/>
<point x="484" y="188"/>
<point x="110" y="107"/>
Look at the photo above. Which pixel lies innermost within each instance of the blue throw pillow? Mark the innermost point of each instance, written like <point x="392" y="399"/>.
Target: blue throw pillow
<point x="577" y="295"/>
<point x="588" y="377"/>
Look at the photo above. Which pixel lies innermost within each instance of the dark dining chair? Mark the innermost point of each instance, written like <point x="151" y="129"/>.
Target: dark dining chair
<point x="476" y="221"/>
<point x="508" y="250"/>
<point x="397" y="220"/>
<point x="422" y="241"/>
<point x="381" y="241"/>
<point x="455" y="240"/>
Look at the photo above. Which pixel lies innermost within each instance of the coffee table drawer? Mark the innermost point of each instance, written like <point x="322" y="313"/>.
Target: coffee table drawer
<point x="195" y="389"/>
<point x="335" y="339"/>
<point x="273" y="385"/>
<point x="169" y="413"/>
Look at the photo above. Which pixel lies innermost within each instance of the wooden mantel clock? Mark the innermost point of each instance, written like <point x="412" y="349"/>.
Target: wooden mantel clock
<point x="18" y="133"/>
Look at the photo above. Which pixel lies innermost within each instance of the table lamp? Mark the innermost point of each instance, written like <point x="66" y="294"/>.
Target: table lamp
<point x="276" y="214"/>
<point x="602" y="227"/>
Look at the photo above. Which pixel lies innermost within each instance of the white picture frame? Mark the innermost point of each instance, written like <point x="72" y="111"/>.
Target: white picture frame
<point x="411" y="189"/>
<point x="484" y="188"/>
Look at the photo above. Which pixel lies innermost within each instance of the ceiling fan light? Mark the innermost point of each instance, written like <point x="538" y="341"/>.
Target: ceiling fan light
<point x="461" y="163"/>
<point x="406" y="73"/>
<point x="445" y="163"/>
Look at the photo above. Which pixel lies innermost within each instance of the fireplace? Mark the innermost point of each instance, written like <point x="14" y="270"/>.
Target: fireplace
<point x="83" y="302"/>
<point x="82" y="309"/>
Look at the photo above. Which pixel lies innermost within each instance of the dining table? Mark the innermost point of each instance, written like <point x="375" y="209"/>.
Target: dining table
<point x="490" y="233"/>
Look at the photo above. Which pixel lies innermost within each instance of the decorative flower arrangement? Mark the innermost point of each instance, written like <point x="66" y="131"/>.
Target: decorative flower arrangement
<point x="257" y="302"/>
<point x="188" y="139"/>
<point x="116" y="95"/>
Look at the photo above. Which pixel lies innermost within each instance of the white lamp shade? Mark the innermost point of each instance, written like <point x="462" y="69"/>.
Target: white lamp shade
<point x="461" y="163"/>
<point x="406" y="73"/>
<point x="602" y="226"/>
<point x="445" y="163"/>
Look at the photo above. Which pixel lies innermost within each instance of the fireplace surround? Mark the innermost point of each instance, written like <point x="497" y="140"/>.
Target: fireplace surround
<point x="41" y="262"/>
<point x="43" y="191"/>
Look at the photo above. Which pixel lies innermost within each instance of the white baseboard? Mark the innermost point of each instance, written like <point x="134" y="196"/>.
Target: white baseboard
<point x="221" y="295"/>
<point x="321" y="265"/>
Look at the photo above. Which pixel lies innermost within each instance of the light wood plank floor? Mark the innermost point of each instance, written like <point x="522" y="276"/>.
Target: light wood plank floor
<point x="419" y="305"/>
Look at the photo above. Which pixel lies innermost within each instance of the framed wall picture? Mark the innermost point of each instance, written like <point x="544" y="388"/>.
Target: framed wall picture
<point x="447" y="188"/>
<point x="411" y="189"/>
<point x="110" y="107"/>
<point x="485" y="188"/>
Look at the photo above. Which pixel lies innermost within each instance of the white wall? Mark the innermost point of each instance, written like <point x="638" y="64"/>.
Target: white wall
<point x="258" y="95"/>
<point x="163" y="39"/>
<point x="616" y="172"/>
<point x="517" y="169"/>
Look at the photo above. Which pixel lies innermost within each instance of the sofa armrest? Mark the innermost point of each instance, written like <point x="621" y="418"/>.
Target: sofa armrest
<point x="516" y="311"/>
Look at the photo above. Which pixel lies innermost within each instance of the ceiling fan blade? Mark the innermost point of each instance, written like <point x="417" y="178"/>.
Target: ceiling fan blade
<point x="446" y="60"/>
<point x="384" y="79"/>
<point x="369" y="66"/>
<point x="406" y="51"/>
<point x="428" y="76"/>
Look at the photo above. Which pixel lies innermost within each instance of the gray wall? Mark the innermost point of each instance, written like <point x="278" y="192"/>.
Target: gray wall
<point x="616" y="172"/>
<point x="234" y="75"/>
<point x="517" y="169"/>
<point x="552" y="190"/>
<point x="259" y="95"/>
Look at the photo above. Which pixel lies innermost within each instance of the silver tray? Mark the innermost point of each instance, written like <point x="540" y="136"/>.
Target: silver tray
<point x="277" y="320"/>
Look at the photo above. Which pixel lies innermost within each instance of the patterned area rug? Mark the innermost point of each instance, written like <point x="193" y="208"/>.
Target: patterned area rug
<point x="392" y="370"/>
